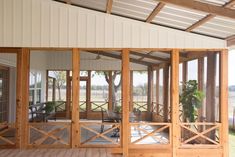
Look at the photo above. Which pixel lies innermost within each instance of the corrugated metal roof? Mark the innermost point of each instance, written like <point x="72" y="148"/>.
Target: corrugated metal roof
<point x="214" y="2"/>
<point x="93" y="4"/>
<point x="139" y="9"/>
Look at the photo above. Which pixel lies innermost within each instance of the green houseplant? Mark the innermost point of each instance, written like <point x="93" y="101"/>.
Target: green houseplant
<point x="50" y="106"/>
<point x="191" y="99"/>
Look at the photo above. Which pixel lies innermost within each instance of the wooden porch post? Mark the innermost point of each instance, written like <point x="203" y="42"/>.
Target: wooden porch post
<point x="224" y="100"/>
<point x="185" y="72"/>
<point x="88" y="95"/>
<point x="131" y="91"/>
<point x="53" y="89"/>
<point x="210" y="87"/>
<point x="125" y="100"/>
<point x="75" y="130"/>
<point x="68" y="93"/>
<point x="47" y="85"/>
<point x="110" y="107"/>
<point x="165" y="92"/>
<point x="22" y="100"/>
<point x="201" y="84"/>
<point x="175" y="101"/>
<point x="150" y="93"/>
<point x="157" y="90"/>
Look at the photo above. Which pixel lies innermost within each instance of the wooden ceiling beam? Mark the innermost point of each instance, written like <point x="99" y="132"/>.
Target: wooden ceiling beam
<point x="208" y="8"/>
<point x="154" y="13"/>
<point x="109" y="6"/>
<point x="230" y="4"/>
<point x="68" y="2"/>
<point x="200" y="22"/>
<point x="148" y="56"/>
<point x="120" y="57"/>
<point x="231" y="40"/>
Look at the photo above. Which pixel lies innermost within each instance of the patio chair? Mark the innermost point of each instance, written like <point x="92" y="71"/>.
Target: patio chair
<point x="107" y="119"/>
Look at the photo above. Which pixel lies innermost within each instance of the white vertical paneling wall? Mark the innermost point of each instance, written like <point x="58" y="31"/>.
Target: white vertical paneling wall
<point x="46" y="23"/>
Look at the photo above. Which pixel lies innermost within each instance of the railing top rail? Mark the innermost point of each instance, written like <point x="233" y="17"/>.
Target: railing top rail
<point x="201" y="123"/>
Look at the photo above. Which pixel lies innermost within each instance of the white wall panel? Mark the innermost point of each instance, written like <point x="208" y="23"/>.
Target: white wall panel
<point x="72" y="27"/>
<point x="63" y="27"/>
<point x="36" y="23"/>
<point x="17" y="26"/>
<point x="46" y="23"/>
<point x="26" y="23"/>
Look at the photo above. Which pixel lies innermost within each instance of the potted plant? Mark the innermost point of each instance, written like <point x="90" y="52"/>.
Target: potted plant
<point x="191" y="99"/>
<point x="50" y="107"/>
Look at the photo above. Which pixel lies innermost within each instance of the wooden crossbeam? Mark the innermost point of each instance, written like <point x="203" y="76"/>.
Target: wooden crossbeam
<point x="148" y="56"/>
<point x="204" y="7"/>
<point x="5" y="139"/>
<point x="154" y="13"/>
<point x="109" y="6"/>
<point x="201" y="134"/>
<point x="98" y="106"/>
<point x="97" y="133"/>
<point x="100" y="134"/>
<point x="150" y="133"/>
<point x="229" y="4"/>
<point x="120" y="57"/>
<point x="68" y="1"/>
<point x="49" y="134"/>
<point x="200" y="22"/>
<point x="230" y="40"/>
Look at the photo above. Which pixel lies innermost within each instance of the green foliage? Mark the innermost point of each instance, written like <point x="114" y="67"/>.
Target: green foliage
<point x="191" y="99"/>
<point x="118" y="109"/>
<point x="50" y="106"/>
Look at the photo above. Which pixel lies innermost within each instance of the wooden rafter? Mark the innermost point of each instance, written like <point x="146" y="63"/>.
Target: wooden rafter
<point x="231" y="40"/>
<point x="120" y="57"/>
<point x="148" y="56"/>
<point x="208" y="17"/>
<point x="141" y="58"/>
<point x="68" y="1"/>
<point x="155" y="12"/>
<point x="109" y="6"/>
<point x="229" y="4"/>
<point x="200" y="22"/>
<point x="196" y="5"/>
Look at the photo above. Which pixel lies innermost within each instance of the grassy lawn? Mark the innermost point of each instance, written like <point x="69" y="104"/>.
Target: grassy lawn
<point x="232" y="143"/>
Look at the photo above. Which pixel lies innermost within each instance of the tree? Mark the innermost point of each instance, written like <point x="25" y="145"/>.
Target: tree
<point x="60" y="77"/>
<point x="115" y="87"/>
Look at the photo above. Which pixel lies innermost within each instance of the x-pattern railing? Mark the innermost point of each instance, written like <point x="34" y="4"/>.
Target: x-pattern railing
<point x="82" y="106"/>
<point x="5" y="129"/>
<point x="142" y="106"/>
<point x="113" y="130"/>
<point x="54" y="131"/>
<point x="207" y="134"/>
<point x="152" y="130"/>
<point x="99" y="105"/>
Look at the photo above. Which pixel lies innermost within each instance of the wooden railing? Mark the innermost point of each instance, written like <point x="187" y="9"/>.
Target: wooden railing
<point x="140" y="105"/>
<point x="149" y="133"/>
<point x="53" y="134"/>
<point x="60" y="106"/>
<point x="99" y="105"/>
<point x="201" y="134"/>
<point x="7" y="135"/>
<point x="91" y="134"/>
<point x="82" y="105"/>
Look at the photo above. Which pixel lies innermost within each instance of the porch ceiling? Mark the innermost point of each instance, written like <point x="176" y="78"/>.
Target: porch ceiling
<point x="217" y="20"/>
